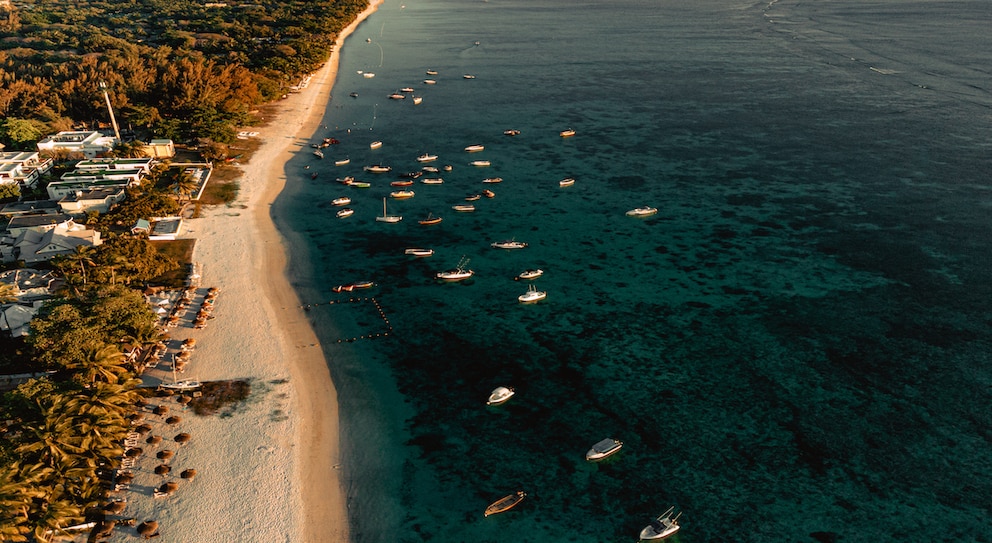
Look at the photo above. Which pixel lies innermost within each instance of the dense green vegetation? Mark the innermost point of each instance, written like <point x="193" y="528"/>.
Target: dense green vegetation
<point x="180" y="69"/>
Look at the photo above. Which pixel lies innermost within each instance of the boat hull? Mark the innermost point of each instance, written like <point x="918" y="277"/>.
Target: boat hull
<point x="506" y="503"/>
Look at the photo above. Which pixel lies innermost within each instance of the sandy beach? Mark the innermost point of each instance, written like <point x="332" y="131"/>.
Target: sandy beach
<point x="267" y="469"/>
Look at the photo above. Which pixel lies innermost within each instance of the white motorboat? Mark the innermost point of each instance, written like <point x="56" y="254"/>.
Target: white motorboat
<point x="468" y="76"/>
<point x="567" y="133"/>
<point x="567" y="182"/>
<point x="406" y="89"/>
<point x="480" y="163"/>
<point x="342" y="201"/>
<point x="431" y="219"/>
<point x="661" y="527"/>
<point x="642" y="212"/>
<point x="397" y="96"/>
<point x="417" y="100"/>
<point x="418" y="252"/>
<point x="529" y="275"/>
<point x="508" y="244"/>
<point x="378" y="168"/>
<point x="318" y="153"/>
<point x="342" y="162"/>
<point x="493" y="180"/>
<point x="387" y="218"/>
<point x="375" y="145"/>
<point x="345" y="213"/>
<point x="458" y="273"/>
<point x="430" y="169"/>
<point x="401" y="194"/>
<point x="604" y="448"/>
<point x="426" y="157"/>
<point x="511" y="132"/>
<point x="368" y="75"/>
<point x="488" y="193"/>
<point x="474" y="148"/>
<point x="463" y="208"/>
<point x="473" y="197"/>
<point x="432" y="181"/>
<point x="447" y="167"/>
<point x="431" y="72"/>
<point x="532" y="295"/>
<point x="500" y="395"/>
<point x="430" y="82"/>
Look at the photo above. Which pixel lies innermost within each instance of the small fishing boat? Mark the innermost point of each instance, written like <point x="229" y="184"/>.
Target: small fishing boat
<point x="567" y="182"/>
<point x="468" y="76"/>
<point x="418" y="252"/>
<point x="342" y="162"/>
<point x="342" y="288"/>
<point x="473" y="197"/>
<point x="342" y="201"/>
<point x="458" y="273"/>
<point x="604" y="448"/>
<point x="511" y="132"/>
<point x="430" y="169"/>
<point x="378" y="168"/>
<point x="360" y="184"/>
<point x="532" y="295"/>
<point x="463" y="208"/>
<point x="401" y="194"/>
<point x="642" y="212"/>
<point x="375" y="145"/>
<point x="430" y="82"/>
<point x="347" y="180"/>
<point x="480" y="163"/>
<point x="368" y="75"/>
<point x="528" y="275"/>
<point x="474" y="148"/>
<point x="353" y="94"/>
<point x="493" y="180"/>
<point x="362" y="284"/>
<point x="447" y="167"/>
<point x="432" y="181"/>
<point x="318" y="153"/>
<point x="388" y="218"/>
<point x="500" y="395"/>
<point x="406" y="89"/>
<point x="508" y="244"/>
<point x="567" y="133"/>
<point x="397" y="96"/>
<point x="402" y="183"/>
<point x="330" y="141"/>
<point x="345" y="213"/>
<point x="431" y="219"/>
<point x="417" y="100"/>
<point x="431" y="72"/>
<point x="426" y="157"/>
<point x="505" y="503"/>
<point x="411" y="175"/>
<point x="661" y="527"/>
<point x="488" y="193"/>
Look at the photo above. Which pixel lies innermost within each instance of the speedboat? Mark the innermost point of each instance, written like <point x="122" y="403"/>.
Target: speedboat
<point x="474" y="148"/>
<point x="432" y="181"/>
<point x="368" y="75"/>
<point x="417" y="100"/>
<point x="488" y="193"/>
<point x="397" y="96"/>
<point x="447" y="167"/>
<point x="388" y="218"/>
<point x="375" y="145"/>
<point x="480" y="163"/>
<point x="342" y="162"/>
<point x="532" y="295"/>
<point x="347" y="180"/>
<point x="457" y="274"/>
<point x="567" y="133"/>
<point x="603" y="449"/>
<point x="318" y="153"/>
<point x="431" y="72"/>
<point x="378" y="168"/>
<point x="508" y="244"/>
<point x="500" y="395"/>
<point x="342" y="201"/>
<point x="406" y="89"/>
<point x="403" y="183"/>
<point x="360" y="184"/>
<point x="463" y="208"/>
<point x="567" y="182"/>
<point x="528" y="275"/>
<point x="418" y="252"/>
<point x="353" y="94"/>
<point x="344" y="213"/>
<point x="430" y="82"/>
<point x="493" y="180"/>
<point x="431" y="219"/>
<point x="468" y="76"/>
<point x="473" y="197"/>
<point x="401" y="194"/>
<point x="511" y="132"/>
<point x="430" y="169"/>
<point x="506" y="503"/>
<point x="426" y="157"/>
<point x="661" y="527"/>
<point x="363" y="284"/>
<point x="642" y="212"/>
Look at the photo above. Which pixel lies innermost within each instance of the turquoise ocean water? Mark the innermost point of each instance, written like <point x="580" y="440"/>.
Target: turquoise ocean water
<point x="796" y="348"/>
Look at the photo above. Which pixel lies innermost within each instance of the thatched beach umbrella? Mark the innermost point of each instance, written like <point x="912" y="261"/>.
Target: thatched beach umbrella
<point x="136" y="417"/>
<point x="182" y="438"/>
<point x="125" y="477"/>
<point x="140" y="402"/>
<point x="163" y="470"/>
<point x="169" y="487"/>
<point x="134" y="452"/>
<point x="173" y="420"/>
<point x="153" y="440"/>
<point x="189" y="342"/>
<point x="184" y="399"/>
<point x="165" y="455"/>
<point x="143" y="429"/>
<point x="115" y="508"/>
<point x="103" y="529"/>
<point x="147" y="529"/>
<point x="188" y="474"/>
<point x="160" y="410"/>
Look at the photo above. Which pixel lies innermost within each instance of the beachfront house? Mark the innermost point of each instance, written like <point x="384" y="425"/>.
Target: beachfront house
<point x="36" y="238"/>
<point x="160" y="149"/>
<point x="99" y="200"/>
<point x="24" y="168"/>
<point x="34" y="207"/>
<point x="87" y="143"/>
<point x="31" y="288"/>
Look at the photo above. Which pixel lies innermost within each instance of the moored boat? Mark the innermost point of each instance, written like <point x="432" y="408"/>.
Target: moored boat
<point x="473" y="197"/>
<point x="360" y="184"/>
<point x="344" y="213"/>
<point x="463" y="208"/>
<point x="468" y="76"/>
<point x="419" y="252"/>
<point x="368" y="75"/>
<point x="493" y="180"/>
<point x="506" y="503"/>
<point x="642" y="211"/>
<point x="488" y="193"/>
<point x="508" y="244"/>
<point x="474" y="148"/>
<point x="342" y="162"/>
<point x="567" y="182"/>
<point x="430" y="169"/>
<point x="500" y="395"/>
<point x="430" y="82"/>
<point x="182" y="385"/>
<point x="397" y="96"/>
<point x="532" y="295"/>
<point x="567" y="133"/>
<point x="458" y="273"/>
<point x="426" y="157"/>
<point x="432" y="181"/>
<point x="431" y="72"/>
<point x="431" y="219"/>
<point x="604" y="448"/>
<point x="480" y="163"/>
<point x="375" y="145"/>
<point x="342" y="201"/>
<point x="406" y="89"/>
<point x="528" y="275"/>
<point x="318" y="153"/>
<point x="388" y="218"/>
<point x="403" y="183"/>
<point x="378" y="168"/>
<point x="661" y="527"/>
<point x="353" y="94"/>
<point x="417" y="100"/>
<point x="401" y="194"/>
<point x="511" y="132"/>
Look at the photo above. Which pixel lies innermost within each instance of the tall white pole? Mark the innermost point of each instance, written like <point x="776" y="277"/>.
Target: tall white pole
<point x="113" y="120"/>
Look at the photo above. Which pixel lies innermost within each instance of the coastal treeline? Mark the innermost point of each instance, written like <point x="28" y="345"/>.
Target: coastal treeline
<point x="176" y="69"/>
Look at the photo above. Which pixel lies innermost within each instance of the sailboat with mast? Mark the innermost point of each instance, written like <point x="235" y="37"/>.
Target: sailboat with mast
<point x="387" y="218"/>
<point x="180" y="385"/>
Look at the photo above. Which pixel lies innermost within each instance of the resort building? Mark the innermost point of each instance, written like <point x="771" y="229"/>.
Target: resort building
<point x="99" y="200"/>
<point x="35" y="207"/>
<point x="89" y="144"/>
<point x="160" y="149"/>
<point x="23" y="168"/>
<point x="32" y="246"/>
<point x="144" y="165"/>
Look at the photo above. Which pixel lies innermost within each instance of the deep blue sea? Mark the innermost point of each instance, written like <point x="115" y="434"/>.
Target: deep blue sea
<point x="796" y="348"/>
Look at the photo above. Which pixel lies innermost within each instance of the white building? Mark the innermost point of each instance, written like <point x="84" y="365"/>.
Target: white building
<point x="99" y="200"/>
<point x="89" y="144"/>
<point x="23" y="168"/>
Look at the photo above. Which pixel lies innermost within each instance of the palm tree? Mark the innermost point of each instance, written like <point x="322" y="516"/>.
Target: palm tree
<point x="100" y="361"/>
<point x="186" y="185"/>
<point x="18" y="487"/>
<point x="54" y="517"/>
<point x="51" y="440"/>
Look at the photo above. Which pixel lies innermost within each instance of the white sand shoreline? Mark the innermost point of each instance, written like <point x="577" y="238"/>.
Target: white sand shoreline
<point x="266" y="472"/>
